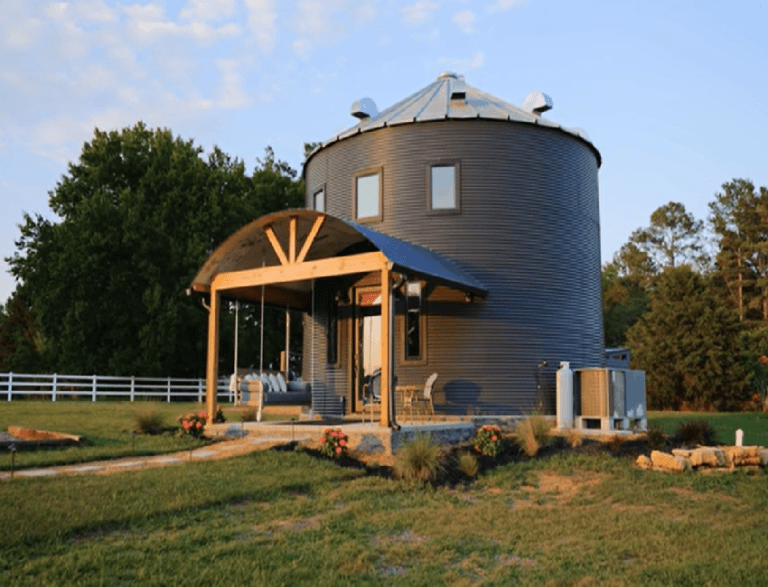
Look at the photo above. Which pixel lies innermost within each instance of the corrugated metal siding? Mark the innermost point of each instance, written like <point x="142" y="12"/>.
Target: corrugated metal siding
<point x="329" y="382"/>
<point x="528" y="230"/>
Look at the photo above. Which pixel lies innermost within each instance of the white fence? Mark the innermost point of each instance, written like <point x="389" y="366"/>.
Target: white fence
<point x="58" y="386"/>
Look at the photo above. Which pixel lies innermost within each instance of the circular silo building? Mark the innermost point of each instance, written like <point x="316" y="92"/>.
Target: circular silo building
<point x="497" y="193"/>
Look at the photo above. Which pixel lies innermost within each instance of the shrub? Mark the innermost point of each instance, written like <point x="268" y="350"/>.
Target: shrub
<point x="248" y="415"/>
<point x="468" y="465"/>
<point x="219" y="419"/>
<point x="656" y="437"/>
<point x="419" y="459"/>
<point x="488" y="440"/>
<point x="149" y="423"/>
<point x="532" y="433"/>
<point x="193" y="424"/>
<point x="694" y="433"/>
<point x="335" y="443"/>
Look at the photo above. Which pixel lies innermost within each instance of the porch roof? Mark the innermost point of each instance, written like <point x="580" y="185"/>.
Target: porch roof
<point x="253" y="247"/>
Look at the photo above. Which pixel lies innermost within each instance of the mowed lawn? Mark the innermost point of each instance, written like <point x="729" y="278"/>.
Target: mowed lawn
<point x="288" y="518"/>
<point x="105" y="425"/>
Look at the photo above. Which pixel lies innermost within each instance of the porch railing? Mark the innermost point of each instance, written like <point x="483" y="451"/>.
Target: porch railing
<point x="57" y="386"/>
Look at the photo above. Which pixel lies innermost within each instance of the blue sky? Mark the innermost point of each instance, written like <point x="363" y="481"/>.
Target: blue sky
<point x="674" y="94"/>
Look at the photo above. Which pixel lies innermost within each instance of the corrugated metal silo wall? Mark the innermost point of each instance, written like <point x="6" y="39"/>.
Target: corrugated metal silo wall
<point x="528" y="230"/>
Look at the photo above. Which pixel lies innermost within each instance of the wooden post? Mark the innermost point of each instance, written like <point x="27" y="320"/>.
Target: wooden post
<point x="212" y="363"/>
<point x="386" y="367"/>
<point x="287" y="343"/>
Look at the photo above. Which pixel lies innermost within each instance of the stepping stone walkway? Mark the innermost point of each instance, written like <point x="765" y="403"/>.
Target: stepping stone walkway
<point x="215" y="451"/>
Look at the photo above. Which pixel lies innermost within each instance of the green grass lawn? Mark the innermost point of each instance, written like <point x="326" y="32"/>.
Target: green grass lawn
<point x="105" y="425"/>
<point x="754" y="425"/>
<point x="286" y="518"/>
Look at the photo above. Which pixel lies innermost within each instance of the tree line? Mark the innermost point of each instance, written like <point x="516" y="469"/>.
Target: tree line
<point x="102" y="290"/>
<point x="690" y="299"/>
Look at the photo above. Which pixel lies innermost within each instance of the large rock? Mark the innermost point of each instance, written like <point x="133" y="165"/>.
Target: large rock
<point x="644" y="462"/>
<point x="739" y="456"/>
<point x="706" y="456"/>
<point x="662" y="460"/>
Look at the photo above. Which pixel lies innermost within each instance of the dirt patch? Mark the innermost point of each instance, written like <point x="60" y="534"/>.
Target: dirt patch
<point x="566" y="487"/>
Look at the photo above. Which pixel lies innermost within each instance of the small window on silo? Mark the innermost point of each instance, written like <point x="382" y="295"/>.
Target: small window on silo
<point x="318" y="200"/>
<point x="443" y="192"/>
<point x="367" y="196"/>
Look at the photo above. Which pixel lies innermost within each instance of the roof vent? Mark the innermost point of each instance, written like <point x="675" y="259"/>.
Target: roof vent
<point x="457" y="88"/>
<point x="537" y="102"/>
<point x="364" y="108"/>
<point x="447" y="75"/>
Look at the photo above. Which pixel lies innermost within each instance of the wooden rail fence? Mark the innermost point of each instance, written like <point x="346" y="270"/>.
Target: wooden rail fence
<point x="57" y="386"/>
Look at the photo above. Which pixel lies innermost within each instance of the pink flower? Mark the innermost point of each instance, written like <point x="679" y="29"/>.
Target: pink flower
<point x="494" y="438"/>
<point x="343" y="442"/>
<point x="202" y="415"/>
<point x="338" y="449"/>
<point x="199" y="424"/>
<point x="185" y="424"/>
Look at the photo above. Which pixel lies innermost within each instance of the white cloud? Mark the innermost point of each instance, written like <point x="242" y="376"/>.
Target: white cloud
<point x="94" y="11"/>
<point x="230" y="93"/>
<point x="503" y="5"/>
<point x="461" y="65"/>
<point x="18" y="28"/>
<point x="148" y="23"/>
<point x="261" y="22"/>
<point x="418" y="13"/>
<point x="302" y="48"/>
<point x="208" y="10"/>
<point x="465" y="20"/>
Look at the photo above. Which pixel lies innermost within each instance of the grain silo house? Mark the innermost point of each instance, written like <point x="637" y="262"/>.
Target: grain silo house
<point x="451" y="233"/>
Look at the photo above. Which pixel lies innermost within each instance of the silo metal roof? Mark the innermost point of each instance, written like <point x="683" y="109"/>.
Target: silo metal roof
<point x="450" y="98"/>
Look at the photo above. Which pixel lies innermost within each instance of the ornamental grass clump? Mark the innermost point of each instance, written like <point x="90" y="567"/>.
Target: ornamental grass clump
<point x="488" y="441"/>
<point x="193" y="424"/>
<point x="695" y="433"/>
<point x="334" y="443"/>
<point x="149" y="423"/>
<point x="421" y="459"/>
<point x="532" y="433"/>
<point x="468" y="465"/>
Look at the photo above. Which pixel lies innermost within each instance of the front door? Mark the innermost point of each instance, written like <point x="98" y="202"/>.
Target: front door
<point x="367" y="347"/>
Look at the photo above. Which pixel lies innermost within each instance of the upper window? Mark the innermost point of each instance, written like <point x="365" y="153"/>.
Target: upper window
<point x="443" y="188"/>
<point x="368" y="196"/>
<point x="318" y="200"/>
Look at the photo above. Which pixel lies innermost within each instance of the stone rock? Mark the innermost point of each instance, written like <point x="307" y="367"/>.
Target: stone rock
<point x="644" y="462"/>
<point x="706" y="456"/>
<point x="739" y="456"/>
<point x="669" y="462"/>
<point x="763" y="456"/>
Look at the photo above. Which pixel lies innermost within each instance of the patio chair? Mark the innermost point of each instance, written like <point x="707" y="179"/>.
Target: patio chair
<point x="372" y="392"/>
<point x="427" y="396"/>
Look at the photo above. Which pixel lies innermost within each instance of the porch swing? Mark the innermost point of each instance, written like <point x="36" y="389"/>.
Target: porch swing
<point x="267" y="389"/>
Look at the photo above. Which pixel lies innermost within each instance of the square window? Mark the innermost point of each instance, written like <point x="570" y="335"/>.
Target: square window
<point x="443" y="187"/>
<point x="367" y="196"/>
<point x="318" y="200"/>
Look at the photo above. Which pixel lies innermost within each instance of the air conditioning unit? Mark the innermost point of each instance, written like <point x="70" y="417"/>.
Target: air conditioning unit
<point x="609" y="399"/>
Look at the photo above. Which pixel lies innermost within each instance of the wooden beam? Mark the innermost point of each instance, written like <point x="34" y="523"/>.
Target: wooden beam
<point x="361" y="263"/>
<point x="310" y="238"/>
<point x="276" y="245"/>
<point x="212" y="361"/>
<point x="292" y="239"/>
<point x="273" y="296"/>
<point x="386" y="340"/>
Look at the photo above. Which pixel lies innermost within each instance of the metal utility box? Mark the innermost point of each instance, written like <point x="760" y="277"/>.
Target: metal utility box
<point x="610" y="399"/>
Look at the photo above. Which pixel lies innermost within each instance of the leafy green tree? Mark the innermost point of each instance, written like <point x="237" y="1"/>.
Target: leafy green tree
<point x="688" y="343"/>
<point x="673" y="238"/>
<point x="739" y="219"/>
<point x="140" y="211"/>
<point x="625" y="299"/>
<point x="20" y="340"/>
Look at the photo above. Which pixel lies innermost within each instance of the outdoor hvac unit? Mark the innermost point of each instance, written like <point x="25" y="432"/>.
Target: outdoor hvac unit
<point x="610" y="399"/>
